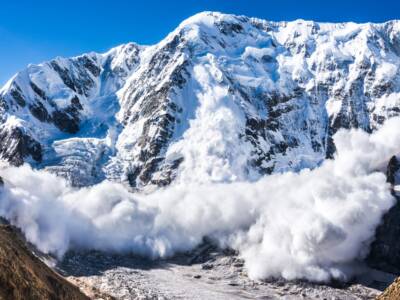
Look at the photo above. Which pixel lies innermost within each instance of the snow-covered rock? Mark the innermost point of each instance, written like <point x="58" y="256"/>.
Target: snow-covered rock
<point x="222" y="98"/>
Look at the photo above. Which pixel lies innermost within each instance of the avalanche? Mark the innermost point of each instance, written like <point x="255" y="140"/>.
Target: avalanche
<point x="314" y="224"/>
<point x="222" y="129"/>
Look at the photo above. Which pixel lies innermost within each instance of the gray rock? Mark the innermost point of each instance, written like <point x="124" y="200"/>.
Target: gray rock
<point x="385" y="250"/>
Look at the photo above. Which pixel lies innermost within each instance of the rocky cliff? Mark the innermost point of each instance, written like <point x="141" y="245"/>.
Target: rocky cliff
<point x="24" y="276"/>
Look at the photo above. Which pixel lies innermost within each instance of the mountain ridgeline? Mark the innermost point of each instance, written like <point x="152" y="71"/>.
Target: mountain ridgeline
<point x="222" y="98"/>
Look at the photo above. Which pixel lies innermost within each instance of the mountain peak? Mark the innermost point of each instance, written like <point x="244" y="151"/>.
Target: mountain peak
<point x="139" y="114"/>
<point x="207" y="18"/>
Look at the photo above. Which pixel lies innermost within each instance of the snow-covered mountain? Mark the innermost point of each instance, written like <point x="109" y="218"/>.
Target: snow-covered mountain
<point x="222" y="98"/>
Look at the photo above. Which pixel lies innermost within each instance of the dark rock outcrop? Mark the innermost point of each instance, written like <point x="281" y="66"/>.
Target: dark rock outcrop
<point x="385" y="250"/>
<point x="16" y="145"/>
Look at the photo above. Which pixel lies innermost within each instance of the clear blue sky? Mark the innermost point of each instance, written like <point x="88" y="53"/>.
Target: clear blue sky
<point x="34" y="31"/>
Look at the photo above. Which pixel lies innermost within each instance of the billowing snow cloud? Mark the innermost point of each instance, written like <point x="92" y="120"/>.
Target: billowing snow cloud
<point x="313" y="224"/>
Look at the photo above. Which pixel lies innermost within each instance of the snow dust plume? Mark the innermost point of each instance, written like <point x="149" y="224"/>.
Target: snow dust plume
<point x="313" y="224"/>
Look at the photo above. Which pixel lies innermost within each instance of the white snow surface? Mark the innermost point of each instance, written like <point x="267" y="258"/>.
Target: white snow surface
<point x="191" y="97"/>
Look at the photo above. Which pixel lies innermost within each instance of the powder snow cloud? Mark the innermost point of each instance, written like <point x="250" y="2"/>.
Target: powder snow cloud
<point x="313" y="224"/>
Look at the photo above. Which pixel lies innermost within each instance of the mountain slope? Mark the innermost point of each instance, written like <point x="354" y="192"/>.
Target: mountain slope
<point x="222" y="98"/>
<point x="24" y="276"/>
<point x="392" y="292"/>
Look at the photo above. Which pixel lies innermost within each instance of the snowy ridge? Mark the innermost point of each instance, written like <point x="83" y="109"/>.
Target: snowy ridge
<point x="66" y="97"/>
<point x="222" y="98"/>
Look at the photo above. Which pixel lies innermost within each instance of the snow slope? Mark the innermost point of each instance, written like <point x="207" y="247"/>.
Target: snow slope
<point x="222" y="98"/>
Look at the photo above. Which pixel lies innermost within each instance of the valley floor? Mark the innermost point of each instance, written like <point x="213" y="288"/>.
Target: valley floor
<point x="205" y="273"/>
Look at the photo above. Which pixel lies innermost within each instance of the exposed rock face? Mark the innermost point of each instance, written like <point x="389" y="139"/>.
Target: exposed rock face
<point x="385" y="250"/>
<point x="221" y="98"/>
<point x="392" y="292"/>
<point x="16" y="145"/>
<point x="24" y="276"/>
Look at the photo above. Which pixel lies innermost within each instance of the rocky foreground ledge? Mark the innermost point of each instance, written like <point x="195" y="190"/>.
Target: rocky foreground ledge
<point x="25" y="276"/>
<point x="392" y="292"/>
